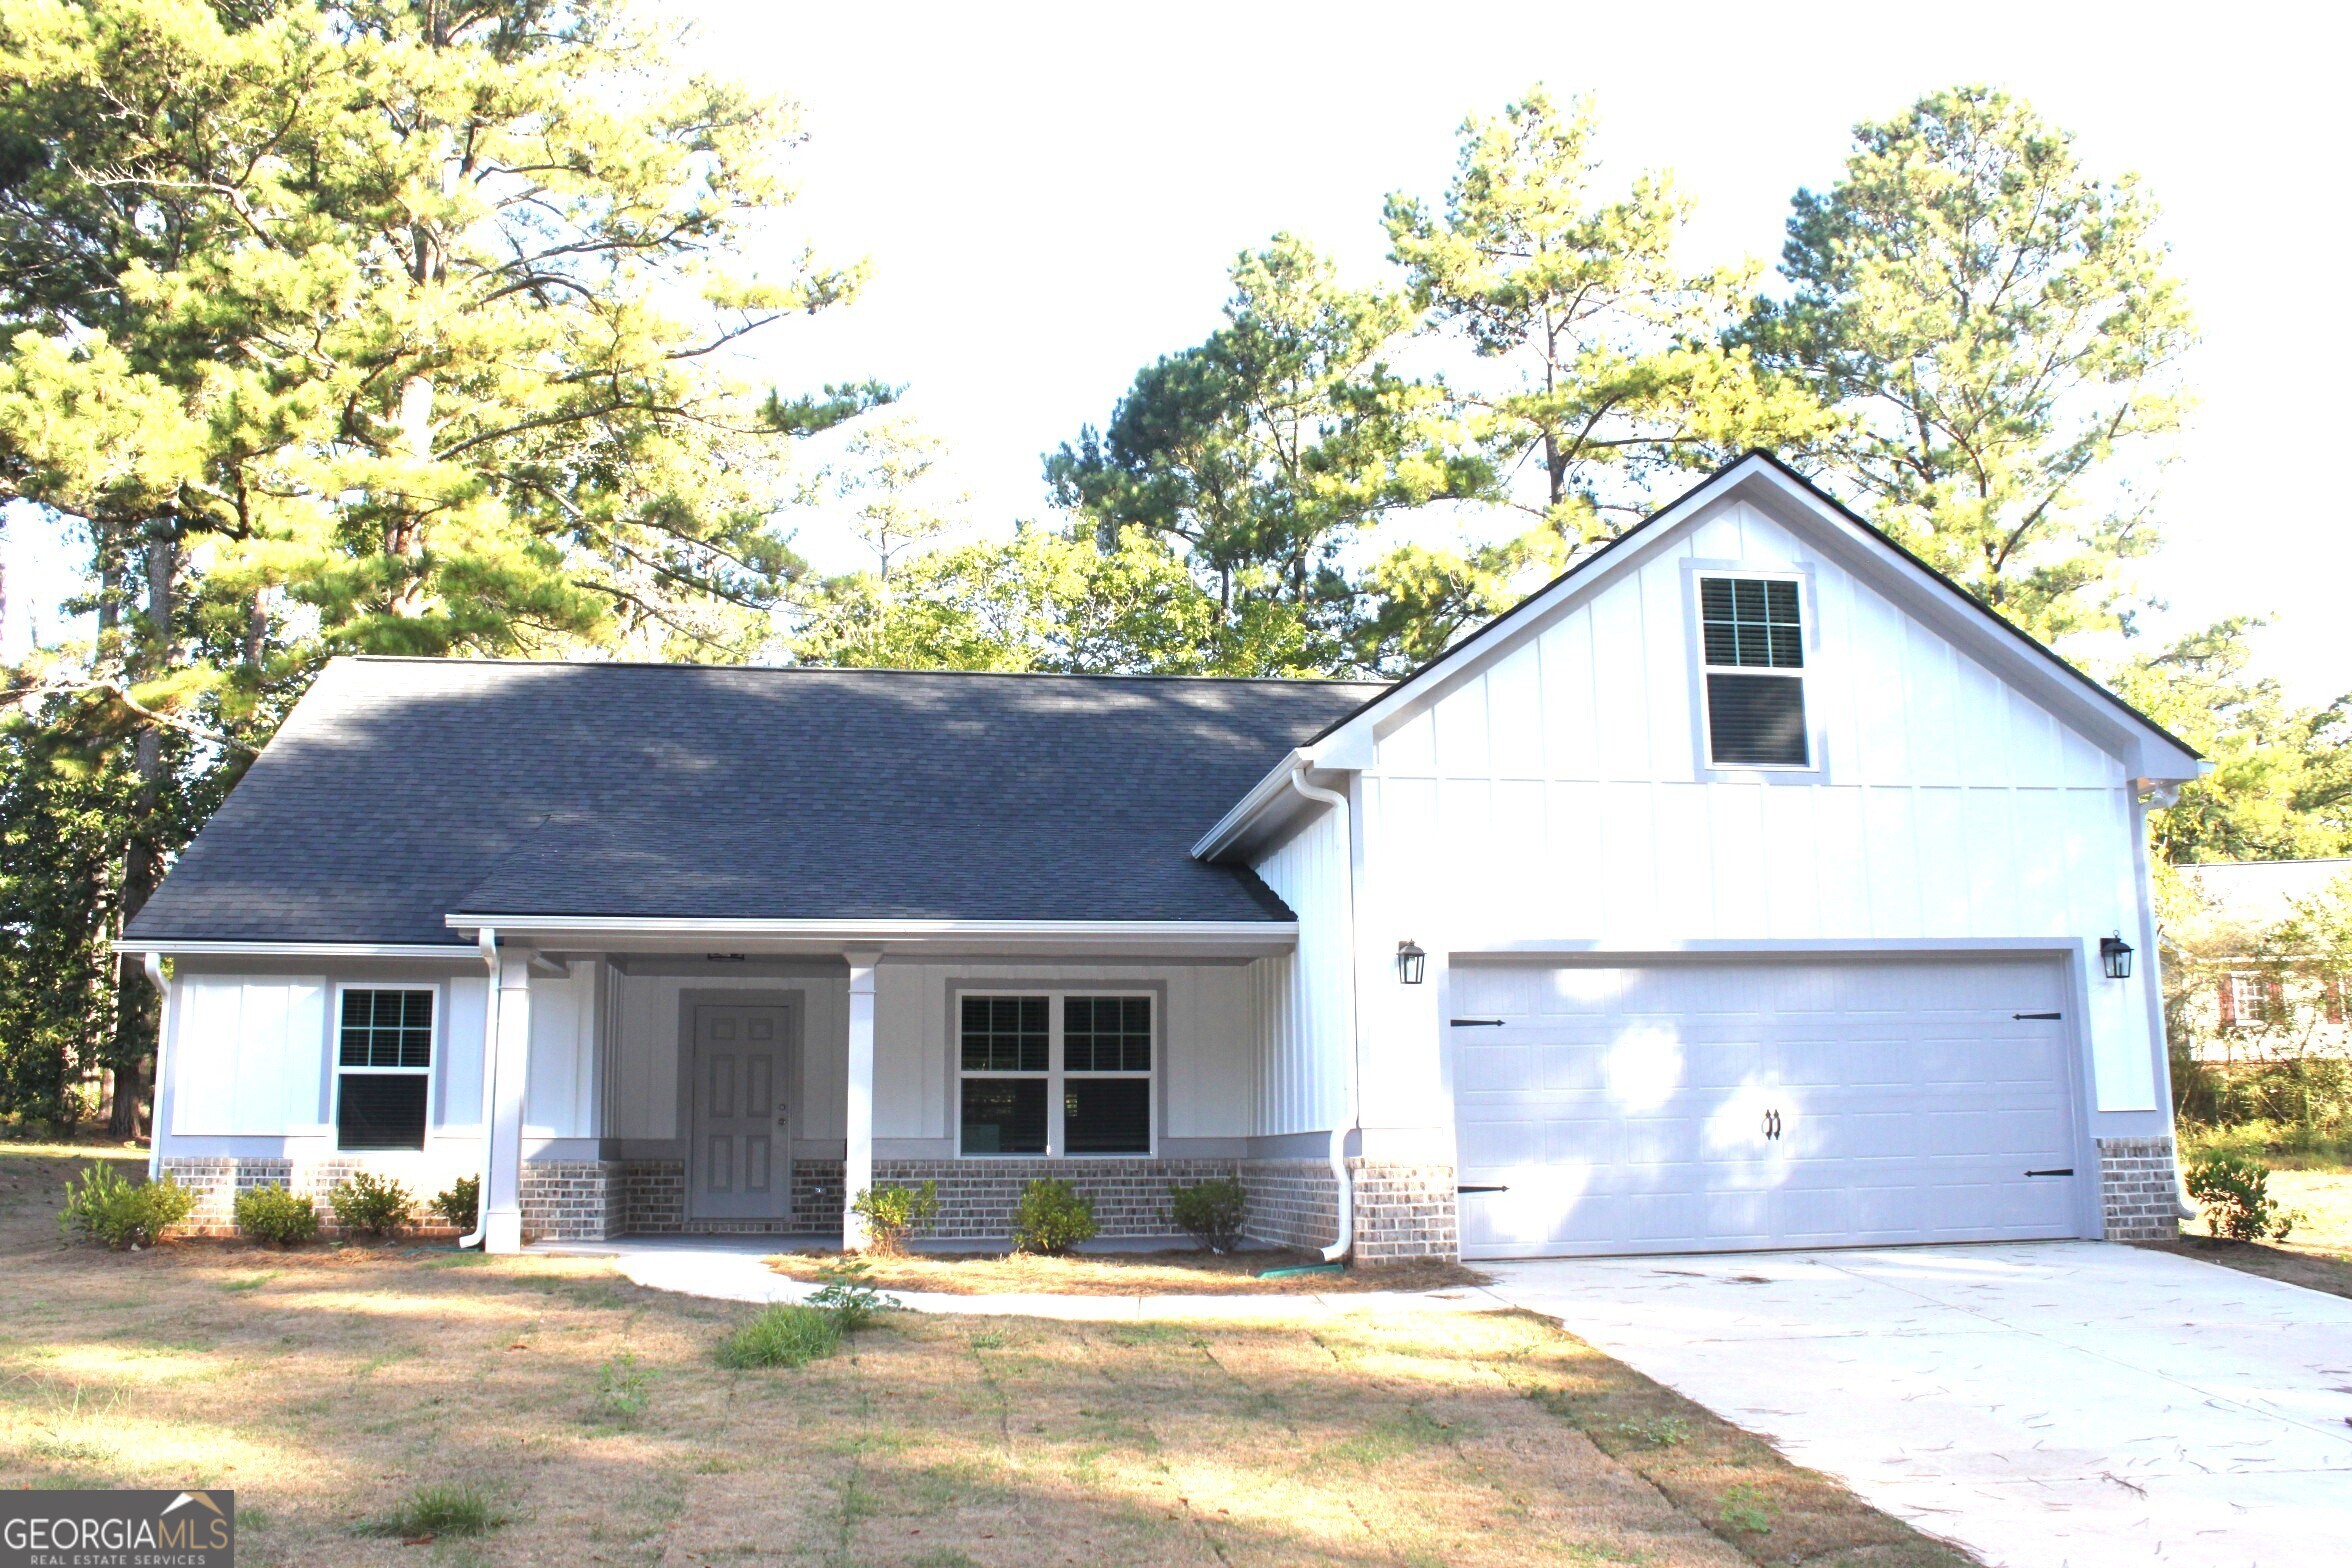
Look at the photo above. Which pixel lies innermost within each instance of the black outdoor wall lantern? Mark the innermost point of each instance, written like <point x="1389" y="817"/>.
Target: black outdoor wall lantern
<point x="1412" y="963"/>
<point x="2115" y="957"/>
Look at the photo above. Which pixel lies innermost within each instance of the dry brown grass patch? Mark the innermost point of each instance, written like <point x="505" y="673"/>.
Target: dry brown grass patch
<point x="329" y="1387"/>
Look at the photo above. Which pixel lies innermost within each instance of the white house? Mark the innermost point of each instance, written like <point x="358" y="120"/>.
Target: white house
<point x="2243" y="994"/>
<point x="1749" y="886"/>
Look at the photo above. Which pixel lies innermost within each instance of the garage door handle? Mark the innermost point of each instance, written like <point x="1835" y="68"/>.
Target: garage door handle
<point x="2068" y="1171"/>
<point x="2037" y="1015"/>
<point x="1477" y="1023"/>
<point x="1481" y="1189"/>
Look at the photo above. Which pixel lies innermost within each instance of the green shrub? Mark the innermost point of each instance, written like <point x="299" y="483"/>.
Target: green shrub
<point x="2234" y="1192"/>
<point x="449" y="1508"/>
<point x="275" y="1215"/>
<point x="847" y="1297"/>
<point x="892" y="1213"/>
<point x="461" y="1205"/>
<point x="784" y="1335"/>
<point x="1210" y="1212"/>
<point x="1052" y="1218"/>
<point x="102" y="1207"/>
<point x="369" y="1205"/>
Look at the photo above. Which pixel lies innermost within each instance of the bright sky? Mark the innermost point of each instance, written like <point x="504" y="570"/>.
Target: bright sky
<point x="1050" y="196"/>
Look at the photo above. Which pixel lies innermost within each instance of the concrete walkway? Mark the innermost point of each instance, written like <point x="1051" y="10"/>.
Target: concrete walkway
<point x="730" y="1269"/>
<point x="2050" y="1405"/>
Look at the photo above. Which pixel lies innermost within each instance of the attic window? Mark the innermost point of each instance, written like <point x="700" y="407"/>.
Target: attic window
<point x="1752" y="637"/>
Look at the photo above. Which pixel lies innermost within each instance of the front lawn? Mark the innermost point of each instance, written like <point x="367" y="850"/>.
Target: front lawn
<point x="1128" y="1273"/>
<point x="414" y="1406"/>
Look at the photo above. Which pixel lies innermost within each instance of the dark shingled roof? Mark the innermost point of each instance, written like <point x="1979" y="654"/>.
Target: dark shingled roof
<point x="404" y="790"/>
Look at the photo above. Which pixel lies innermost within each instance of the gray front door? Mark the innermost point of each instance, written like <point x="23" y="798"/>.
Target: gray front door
<point x="741" y="1166"/>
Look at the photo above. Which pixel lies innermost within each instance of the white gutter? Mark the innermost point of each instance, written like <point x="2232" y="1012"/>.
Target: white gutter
<point x="1346" y="1240"/>
<point x="1269" y="788"/>
<point x="842" y="930"/>
<point x="486" y="943"/>
<point x="199" y="949"/>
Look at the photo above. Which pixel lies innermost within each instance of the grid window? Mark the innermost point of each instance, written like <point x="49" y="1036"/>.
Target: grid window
<point x="387" y="1029"/>
<point x="1006" y="1034"/>
<point x="1752" y="622"/>
<point x="1752" y="640"/>
<point x="1055" y="1075"/>
<point x="1106" y="1034"/>
<point x="383" y="1068"/>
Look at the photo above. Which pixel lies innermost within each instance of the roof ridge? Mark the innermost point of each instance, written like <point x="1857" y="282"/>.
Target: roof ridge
<point x="829" y="669"/>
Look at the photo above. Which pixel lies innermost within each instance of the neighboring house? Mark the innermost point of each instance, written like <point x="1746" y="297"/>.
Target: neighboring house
<point x="1745" y="887"/>
<point x="2241" y="994"/>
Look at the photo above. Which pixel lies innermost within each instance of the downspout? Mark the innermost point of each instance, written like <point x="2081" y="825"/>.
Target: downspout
<point x="487" y="940"/>
<point x="152" y="962"/>
<point x="1355" y="1089"/>
<point x="2156" y="798"/>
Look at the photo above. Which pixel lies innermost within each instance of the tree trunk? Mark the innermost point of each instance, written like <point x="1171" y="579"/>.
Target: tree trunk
<point x="257" y="630"/>
<point x="136" y="1011"/>
<point x="406" y="538"/>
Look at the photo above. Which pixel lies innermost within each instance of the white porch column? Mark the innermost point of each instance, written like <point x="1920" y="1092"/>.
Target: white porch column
<point x="510" y="1066"/>
<point x="857" y="1172"/>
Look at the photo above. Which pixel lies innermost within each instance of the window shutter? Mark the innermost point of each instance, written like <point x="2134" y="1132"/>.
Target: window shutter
<point x="2331" y="998"/>
<point x="2274" y="999"/>
<point x="2229" y="1001"/>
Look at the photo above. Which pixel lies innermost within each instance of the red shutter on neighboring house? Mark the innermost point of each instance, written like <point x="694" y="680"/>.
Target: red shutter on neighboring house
<point x="2331" y="998"/>
<point x="2229" y="1001"/>
<point x="2274" y="1002"/>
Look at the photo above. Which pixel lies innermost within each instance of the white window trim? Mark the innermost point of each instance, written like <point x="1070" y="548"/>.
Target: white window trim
<point x="429" y="1072"/>
<point x="2246" y="998"/>
<point x="1056" y="1075"/>
<point x="1808" y="631"/>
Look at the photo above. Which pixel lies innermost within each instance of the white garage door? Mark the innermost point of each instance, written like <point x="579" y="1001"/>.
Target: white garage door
<point x="1717" y="1106"/>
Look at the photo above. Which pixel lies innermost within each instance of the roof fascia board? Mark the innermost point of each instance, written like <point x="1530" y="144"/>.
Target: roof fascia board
<point x="2145" y="751"/>
<point x="166" y="947"/>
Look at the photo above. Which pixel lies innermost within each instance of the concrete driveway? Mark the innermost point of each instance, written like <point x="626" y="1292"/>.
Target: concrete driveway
<point x="2042" y="1404"/>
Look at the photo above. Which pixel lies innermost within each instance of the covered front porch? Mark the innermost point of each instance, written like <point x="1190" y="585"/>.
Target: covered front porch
<point x="715" y="1081"/>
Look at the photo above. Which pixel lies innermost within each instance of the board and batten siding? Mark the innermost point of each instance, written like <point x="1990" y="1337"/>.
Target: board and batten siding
<point x="560" y="1098"/>
<point x="1558" y="794"/>
<point x="251" y="1056"/>
<point x="1302" y="996"/>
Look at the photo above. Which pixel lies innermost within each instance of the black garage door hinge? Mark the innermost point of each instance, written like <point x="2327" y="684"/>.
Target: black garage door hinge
<point x="1477" y="1023"/>
<point x="2037" y="1015"/>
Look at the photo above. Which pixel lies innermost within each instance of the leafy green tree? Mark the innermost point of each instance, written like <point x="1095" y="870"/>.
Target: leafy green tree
<point x="2000" y="329"/>
<point x="1265" y="452"/>
<point x="1609" y="369"/>
<point x="2281" y="786"/>
<point x="382" y="325"/>
<point x="893" y="480"/>
<point x="1041" y="601"/>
